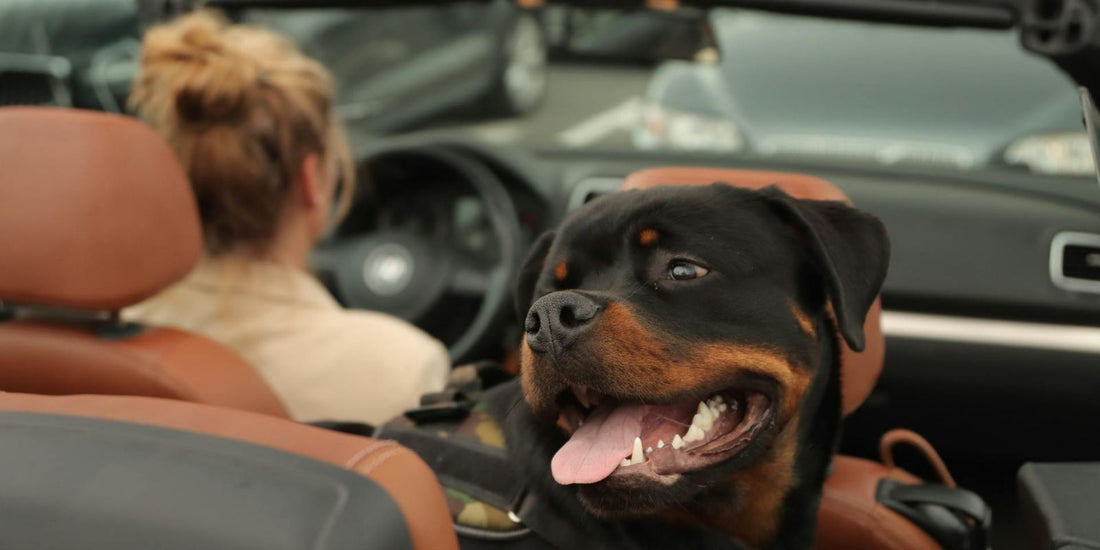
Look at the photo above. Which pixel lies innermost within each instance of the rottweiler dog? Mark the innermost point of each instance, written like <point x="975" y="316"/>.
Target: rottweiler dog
<point x="680" y="376"/>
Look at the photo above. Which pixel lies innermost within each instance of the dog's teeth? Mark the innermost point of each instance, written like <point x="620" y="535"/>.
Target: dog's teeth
<point x="722" y="407"/>
<point x="703" y="419"/>
<point x="637" y="457"/>
<point x="694" y="434"/>
<point x="703" y="422"/>
<point x="678" y="442"/>
<point x="706" y="413"/>
<point x="648" y="450"/>
<point x="625" y="463"/>
<point x="660" y="444"/>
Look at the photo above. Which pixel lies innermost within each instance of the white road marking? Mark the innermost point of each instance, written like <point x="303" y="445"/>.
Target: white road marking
<point x="623" y="116"/>
<point x="505" y="131"/>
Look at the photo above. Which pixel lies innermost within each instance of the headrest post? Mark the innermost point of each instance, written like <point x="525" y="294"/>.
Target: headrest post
<point x="114" y="328"/>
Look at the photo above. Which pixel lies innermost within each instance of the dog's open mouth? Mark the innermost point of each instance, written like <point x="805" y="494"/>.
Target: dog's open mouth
<point x="612" y="438"/>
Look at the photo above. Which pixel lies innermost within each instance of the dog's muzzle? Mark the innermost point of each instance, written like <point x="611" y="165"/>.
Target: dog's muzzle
<point x="560" y="319"/>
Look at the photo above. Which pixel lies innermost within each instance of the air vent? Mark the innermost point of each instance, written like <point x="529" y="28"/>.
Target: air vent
<point x="1075" y="261"/>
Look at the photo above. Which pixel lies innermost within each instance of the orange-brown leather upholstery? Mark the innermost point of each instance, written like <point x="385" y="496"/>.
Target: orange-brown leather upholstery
<point x="850" y="517"/>
<point x="156" y="363"/>
<point x="95" y="211"/>
<point x="398" y="470"/>
<point x="96" y="215"/>
<point x="859" y="370"/>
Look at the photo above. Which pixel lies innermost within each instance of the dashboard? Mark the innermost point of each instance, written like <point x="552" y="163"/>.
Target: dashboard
<point x="979" y="245"/>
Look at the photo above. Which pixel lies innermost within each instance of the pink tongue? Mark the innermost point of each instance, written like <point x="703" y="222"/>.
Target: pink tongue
<point x="601" y="443"/>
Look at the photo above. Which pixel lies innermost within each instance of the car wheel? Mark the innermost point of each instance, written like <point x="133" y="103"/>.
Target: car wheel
<point x="521" y="78"/>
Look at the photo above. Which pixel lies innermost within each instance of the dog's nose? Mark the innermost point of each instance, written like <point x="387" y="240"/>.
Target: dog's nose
<point x="557" y="320"/>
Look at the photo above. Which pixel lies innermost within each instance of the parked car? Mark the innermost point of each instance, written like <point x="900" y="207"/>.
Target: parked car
<point x="887" y="94"/>
<point x="396" y="66"/>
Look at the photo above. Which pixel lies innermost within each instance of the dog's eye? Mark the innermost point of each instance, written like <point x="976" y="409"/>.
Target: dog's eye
<point x="682" y="270"/>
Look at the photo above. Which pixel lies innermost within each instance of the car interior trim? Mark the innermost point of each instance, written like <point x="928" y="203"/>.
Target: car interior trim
<point x="584" y="189"/>
<point x="1057" y="254"/>
<point x="923" y="326"/>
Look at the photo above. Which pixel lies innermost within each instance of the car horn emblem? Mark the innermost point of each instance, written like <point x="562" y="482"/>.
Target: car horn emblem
<point x="388" y="269"/>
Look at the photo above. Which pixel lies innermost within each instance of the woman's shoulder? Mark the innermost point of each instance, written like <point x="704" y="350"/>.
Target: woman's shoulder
<point x="379" y="329"/>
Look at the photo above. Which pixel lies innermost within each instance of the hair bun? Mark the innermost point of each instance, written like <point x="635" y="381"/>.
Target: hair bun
<point x="243" y="108"/>
<point x="194" y="61"/>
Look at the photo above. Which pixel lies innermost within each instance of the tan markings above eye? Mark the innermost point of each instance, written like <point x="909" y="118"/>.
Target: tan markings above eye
<point x="648" y="236"/>
<point x="802" y="319"/>
<point x="561" y="271"/>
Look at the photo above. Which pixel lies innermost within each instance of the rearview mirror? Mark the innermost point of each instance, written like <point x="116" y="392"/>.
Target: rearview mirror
<point x="628" y="36"/>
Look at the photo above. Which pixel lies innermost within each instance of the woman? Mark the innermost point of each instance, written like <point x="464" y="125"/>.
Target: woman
<point x="251" y="120"/>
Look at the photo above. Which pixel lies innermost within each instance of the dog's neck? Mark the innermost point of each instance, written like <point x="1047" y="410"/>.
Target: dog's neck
<point x="779" y="511"/>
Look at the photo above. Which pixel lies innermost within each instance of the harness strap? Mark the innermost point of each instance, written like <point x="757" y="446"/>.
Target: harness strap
<point x="481" y="471"/>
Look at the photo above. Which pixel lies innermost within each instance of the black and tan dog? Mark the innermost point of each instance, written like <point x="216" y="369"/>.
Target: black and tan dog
<point x="680" y="377"/>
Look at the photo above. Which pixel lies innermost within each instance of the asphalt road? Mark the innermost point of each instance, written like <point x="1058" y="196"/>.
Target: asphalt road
<point x="584" y="105"/>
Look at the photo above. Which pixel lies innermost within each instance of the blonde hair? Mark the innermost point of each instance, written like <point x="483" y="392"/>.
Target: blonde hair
<point x="242" y="107"/>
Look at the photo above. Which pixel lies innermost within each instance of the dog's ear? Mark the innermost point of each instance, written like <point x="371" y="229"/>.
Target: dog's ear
<point x="529" y="274"/>
<point x="849" y="246"/>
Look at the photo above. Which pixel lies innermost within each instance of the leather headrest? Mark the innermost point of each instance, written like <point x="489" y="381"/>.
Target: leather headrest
<point x="95" y="211"/>
<point x="859" y="370"/>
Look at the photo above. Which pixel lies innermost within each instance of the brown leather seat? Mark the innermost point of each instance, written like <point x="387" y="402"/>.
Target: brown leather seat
<point x="407" y="479"/>
<point x="850" y="517"/>
<point x="97" y="215"/>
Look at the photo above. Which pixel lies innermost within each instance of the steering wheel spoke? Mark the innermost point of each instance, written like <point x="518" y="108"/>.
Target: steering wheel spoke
<point x="470" y="279"/>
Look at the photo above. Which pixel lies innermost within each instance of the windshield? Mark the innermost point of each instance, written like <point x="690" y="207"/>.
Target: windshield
<point x="782" y="86"/>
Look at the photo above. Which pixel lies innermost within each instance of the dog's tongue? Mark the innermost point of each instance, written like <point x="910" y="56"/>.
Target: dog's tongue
<point x="601" y="443"/>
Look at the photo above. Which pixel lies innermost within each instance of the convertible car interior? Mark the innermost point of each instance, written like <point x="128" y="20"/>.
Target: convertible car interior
<point x="970" y="419"/>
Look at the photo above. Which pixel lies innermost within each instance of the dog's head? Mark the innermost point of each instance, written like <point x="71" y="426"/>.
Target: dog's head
<point x="673" y="333"/>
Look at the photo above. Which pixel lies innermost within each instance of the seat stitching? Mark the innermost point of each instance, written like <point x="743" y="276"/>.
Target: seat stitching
<point x="379" y="460"/>
<point x="373" y="446"/>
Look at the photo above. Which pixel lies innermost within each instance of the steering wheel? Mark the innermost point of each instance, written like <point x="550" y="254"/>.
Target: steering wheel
<point x="406" y="274"/>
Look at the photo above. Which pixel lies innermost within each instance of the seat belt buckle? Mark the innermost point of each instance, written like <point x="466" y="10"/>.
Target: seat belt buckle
<point x="444" y="406"/>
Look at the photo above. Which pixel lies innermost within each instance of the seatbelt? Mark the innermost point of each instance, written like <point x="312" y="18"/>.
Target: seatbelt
<point x="480" y="471"/>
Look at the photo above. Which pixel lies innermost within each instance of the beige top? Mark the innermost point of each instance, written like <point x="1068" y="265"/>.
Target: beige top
<point x="324" y="362"/>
